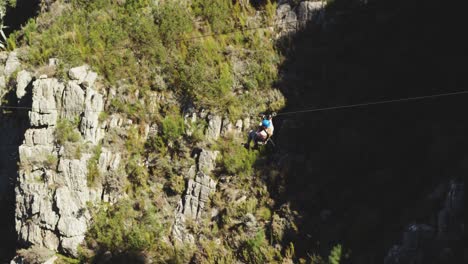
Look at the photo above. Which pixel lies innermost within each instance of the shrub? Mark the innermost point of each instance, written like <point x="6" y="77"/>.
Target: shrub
<point x="270" y="10"/>
<point x="335" y="255"/>
<point x="122" y="228"/>
<point x="134" y="143"/>
<point x="172" y="128"/>
<point x="236" y="159"/>
<point x="198" y="130"/>
<point x="172" y="21"/>
<point x="176" y="184"/>
<point x="156" y="144"/>
<point x="216" y="12"/>
<point x="51" y="161"/>
<point x="137" y="172"/>
<point x="246" y="207"/>
<point x="66" y="260"/>
<point x="213" y="252"/>
<point x="205" y="75"/>
<point x="66" y="131"/>
<point x="257" y="250"/>
<point x="73" y="150"/>
<point x="317" y="259"/>
<point x="264" y="213"/>
<point x="290" y="251"/>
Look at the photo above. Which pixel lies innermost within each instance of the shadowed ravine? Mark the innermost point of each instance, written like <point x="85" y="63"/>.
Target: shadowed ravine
<point x="12" y="126"/>
<point x="20" y="14"/>
<point x="359" y="176"/>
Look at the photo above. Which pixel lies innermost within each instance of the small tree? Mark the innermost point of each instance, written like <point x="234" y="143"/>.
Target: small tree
<point x="335" y="255"/>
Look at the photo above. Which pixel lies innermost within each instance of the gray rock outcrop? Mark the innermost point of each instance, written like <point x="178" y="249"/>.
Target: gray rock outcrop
<point x="78" y="73"/>
<point x="52" y="191"/>
<point x="22" y="81"/>
<point x="291" y="17"/>
<point x="83" y="76"/>
<point x="44" y="106"/>
<point x="286" y="19"/>
<point x="73" y="98"/>
<point x="207" y="160"/>
<point x="310" y="11"/>
<point x="192" y="205"/>
<point x="424" y="243"/>
<point x="89" y="127"/>
<point x="197" y="195"/>
<point x="214" y="127"/>
<point x="12" y="64"/>
<point x="2" y="86"/>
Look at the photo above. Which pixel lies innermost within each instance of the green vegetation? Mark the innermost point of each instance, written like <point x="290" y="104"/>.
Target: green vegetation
<point x="216" y="12"/>
<point x="66" y="260"/>
<point x="256" y="250"/>
<point x="237" y="160"/>
<point x="335" y="255"/>
<point x="176" y="184"/>
<point x="51" y="161"/>
<point x="135" y="146"/>
<point x="139" y="42"/>
<point x="264" y="213"/>
<point x="198" y="129"/>
<point x="130" y="227"/>
<point x="127" y="227"/>
<point x="172" y="128"/>
<point x="215" y="253"/>
<point x="12" y="3"/>
<point x="66" y="131"/>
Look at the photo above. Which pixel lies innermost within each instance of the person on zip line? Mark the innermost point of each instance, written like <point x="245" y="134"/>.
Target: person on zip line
<point x="262" y="134"/>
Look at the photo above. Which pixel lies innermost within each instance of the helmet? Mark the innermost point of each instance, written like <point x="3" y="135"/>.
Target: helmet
<point x="266" y="123"/>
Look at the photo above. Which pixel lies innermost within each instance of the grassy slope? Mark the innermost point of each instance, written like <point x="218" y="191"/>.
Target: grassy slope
<point x="136" y="43"/>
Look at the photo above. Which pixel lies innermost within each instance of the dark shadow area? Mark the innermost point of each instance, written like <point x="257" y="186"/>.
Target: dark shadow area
<point x="359" y="176"/>
<point x="13" y="125"/>
<point x="16" y="17"/>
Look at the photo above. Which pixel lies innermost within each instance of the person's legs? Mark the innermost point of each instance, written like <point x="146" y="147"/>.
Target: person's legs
<point x="255" y="146"/>
<point x="257" y="140"/>
<point x="251" y="137"/>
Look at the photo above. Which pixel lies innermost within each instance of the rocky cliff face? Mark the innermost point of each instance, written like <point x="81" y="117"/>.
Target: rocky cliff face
<point x="440" y="240"/>
<point x="200" y="186"/>
<point x="291" y="16"/>
<point x="52" y="190"/>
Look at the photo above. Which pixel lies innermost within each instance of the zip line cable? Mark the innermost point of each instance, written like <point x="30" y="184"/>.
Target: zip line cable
<point x="372" y="103"/>
<point x="279" y="114"/>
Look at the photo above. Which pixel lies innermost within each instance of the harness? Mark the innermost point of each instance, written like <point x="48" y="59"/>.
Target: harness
<point x="264" y="139"/>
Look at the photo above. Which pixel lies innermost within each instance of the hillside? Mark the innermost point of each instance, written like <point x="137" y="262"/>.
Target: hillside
<point x="123" y="124"/>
